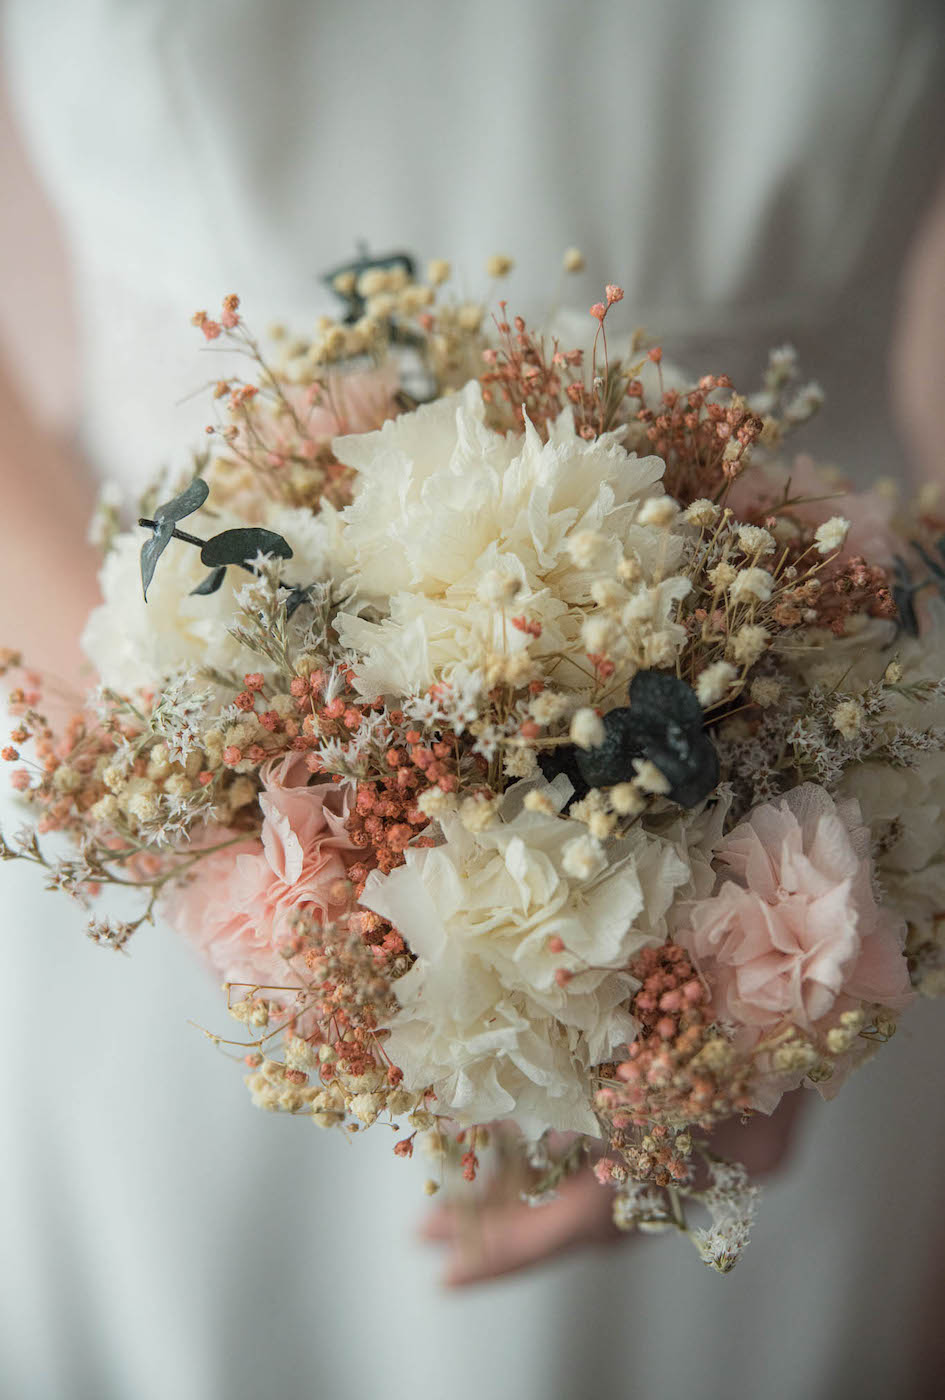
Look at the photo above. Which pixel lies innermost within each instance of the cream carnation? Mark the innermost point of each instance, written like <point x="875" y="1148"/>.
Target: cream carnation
<point x="444" y="502"/>
<point x="484" y="1020"/>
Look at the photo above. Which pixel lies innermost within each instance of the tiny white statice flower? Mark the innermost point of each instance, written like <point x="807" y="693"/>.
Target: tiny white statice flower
<point x="732" y="1203"/>
<point x="143" y="806"/>
<point x="477" y="813"/>
<point x="703" y="513"/>
<point x="436" y="803"/>
<point x="300" y="1055"/>
<point x="597" y="634"/>
<point x="751" y="586"/>
<point x="584" y="548"/>
<point x="573" y="260"/>
<point x="660" y="648"/>
<point x="520" y="763"/>
<point x="601" y="825"/>
<point x="659" y="511"/>
<point x="806" y="402"/>
<point x="714" y="682"/>
<point x="650" y="778"/>
<point x="587" y="729"/>
<point x="722" y="575"/>
<point x="847" y="718"/>
<point x="748" y="643"/>
<point x="765" y="691"/>
<point x="583" y="857"/>
<point x="640" y="608"/>
<point x="438" y="272"/>
<point x="469" y="316"/>
<point x="372" y="281"/>
<point x="753" y="539"/>
<point x="498" y="589"/>
<point x="488" y="740"/>
<point x="627" y="800"/>
<point x="499" y="265"/>
<point x="782" y="365"/>
<point x="106" y="809"/>
<point x="549" y="706"/>
<point x="538" y="801"/>
<point x="590" y="806"/>
<point x="630" y="570"/>
<point x="830" y="536"/>
<point x="366" y="1107"/>
<point x="607" y="592"/>
<point x="67" y="779"/>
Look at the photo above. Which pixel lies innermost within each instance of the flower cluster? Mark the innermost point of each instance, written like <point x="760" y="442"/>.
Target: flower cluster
<point x="521" y="735"/>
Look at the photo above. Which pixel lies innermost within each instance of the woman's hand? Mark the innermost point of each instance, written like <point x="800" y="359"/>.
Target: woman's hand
<point x="499" y="1235"/>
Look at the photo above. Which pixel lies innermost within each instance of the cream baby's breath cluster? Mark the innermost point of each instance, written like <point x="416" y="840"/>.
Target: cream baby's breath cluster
<point x="529" y="743"/>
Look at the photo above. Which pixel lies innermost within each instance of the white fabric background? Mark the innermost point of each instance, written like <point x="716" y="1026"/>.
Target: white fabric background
<point x="749" y="173"/>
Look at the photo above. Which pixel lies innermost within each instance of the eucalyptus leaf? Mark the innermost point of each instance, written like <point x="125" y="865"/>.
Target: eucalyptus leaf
<point x="934" y="565"/>
<point x="296" y="598"/>
<point x="242" y="545"/>
<point x="152" y="549"/>
<point x="211" y="583"/>
<point x="189" y="500"/>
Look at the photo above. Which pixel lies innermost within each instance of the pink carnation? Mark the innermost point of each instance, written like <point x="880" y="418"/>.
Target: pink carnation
<point x="237" y="906"/>
<point x="797" y="935"/>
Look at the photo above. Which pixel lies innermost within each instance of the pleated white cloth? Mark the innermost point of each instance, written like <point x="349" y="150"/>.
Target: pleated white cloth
<point x="749" y="173"/>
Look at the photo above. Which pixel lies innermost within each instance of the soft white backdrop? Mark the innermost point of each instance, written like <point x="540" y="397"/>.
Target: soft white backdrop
<point x="750" y="173"/>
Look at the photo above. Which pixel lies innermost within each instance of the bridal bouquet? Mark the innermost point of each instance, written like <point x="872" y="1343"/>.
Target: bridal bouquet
<point x="536" y="750"/>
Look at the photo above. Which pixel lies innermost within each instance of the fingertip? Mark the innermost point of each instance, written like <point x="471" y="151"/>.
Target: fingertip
<point x="438" y="1226"/>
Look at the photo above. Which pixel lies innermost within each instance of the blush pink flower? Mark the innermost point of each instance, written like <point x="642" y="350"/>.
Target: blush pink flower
<point x="358" y="402"/>
<point x="797" y="935"/>
<point x="238" y="905"/>
<point x="871" y="534"/>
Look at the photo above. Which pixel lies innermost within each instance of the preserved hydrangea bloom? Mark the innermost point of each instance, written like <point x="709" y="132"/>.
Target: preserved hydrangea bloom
<point x="797" y="934"/>
<point x="445" y="504"/>
<point x="134" y="644"/>
<point x="236" y="908"/>
<point x="487" y="1017"/>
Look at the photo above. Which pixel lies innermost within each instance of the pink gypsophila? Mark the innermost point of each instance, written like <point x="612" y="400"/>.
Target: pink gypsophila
<point x="238" y="905"/>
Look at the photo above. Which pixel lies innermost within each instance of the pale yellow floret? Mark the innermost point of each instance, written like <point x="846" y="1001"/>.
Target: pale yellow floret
<point x="587" y="728"/>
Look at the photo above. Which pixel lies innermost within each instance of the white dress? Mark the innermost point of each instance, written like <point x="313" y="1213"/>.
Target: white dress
<point x="749" y="173"/>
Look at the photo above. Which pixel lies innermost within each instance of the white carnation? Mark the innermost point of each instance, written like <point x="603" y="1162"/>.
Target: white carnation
<point x="483" y="1019"/>
<point x="444" y="502"/>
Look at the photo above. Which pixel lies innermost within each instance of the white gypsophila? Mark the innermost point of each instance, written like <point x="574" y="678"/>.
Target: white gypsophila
<point x="134" y="644"/>
<point x="483" y="1018"/>
<point x="444" y="502"/>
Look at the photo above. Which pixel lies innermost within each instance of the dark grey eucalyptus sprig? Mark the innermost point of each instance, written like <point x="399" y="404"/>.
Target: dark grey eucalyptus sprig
<point x="238" y="547"/>
<point x="905" y="586"/>
<point x="664" y="723"/>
